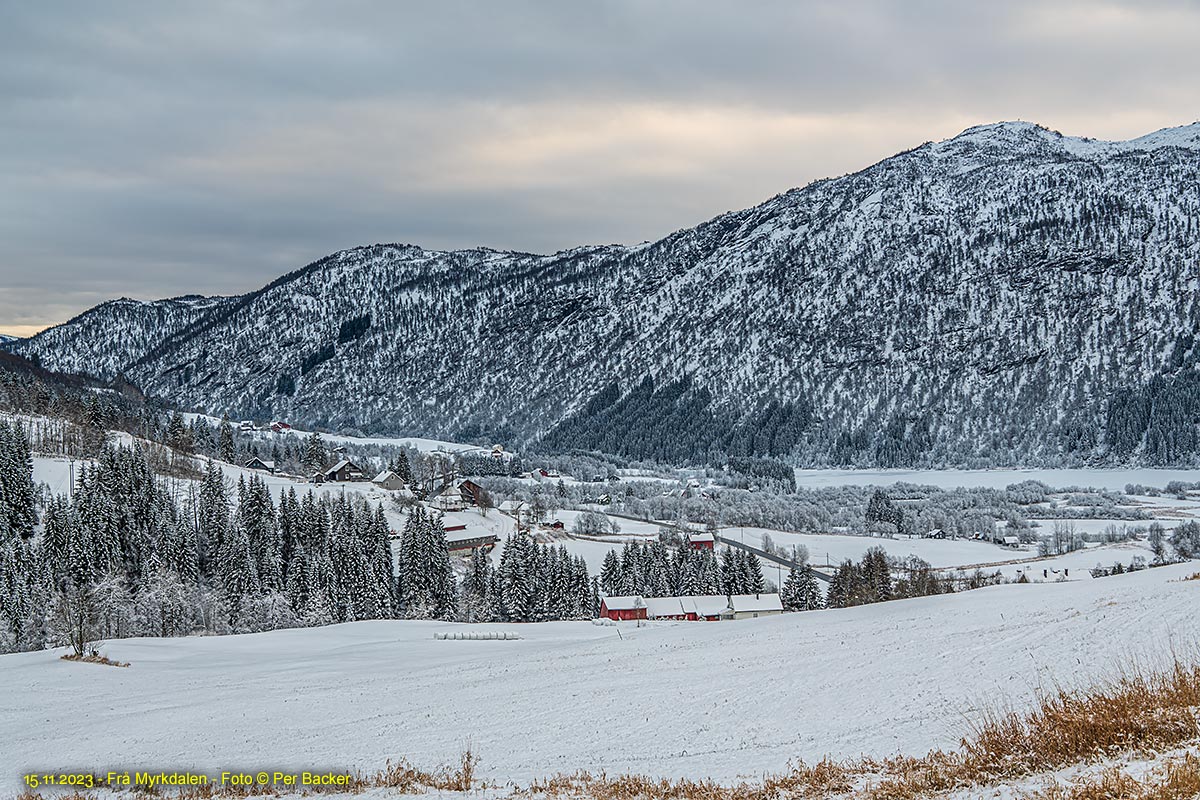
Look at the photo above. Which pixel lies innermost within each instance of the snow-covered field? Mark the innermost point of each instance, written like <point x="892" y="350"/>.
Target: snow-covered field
<point x="716" y="700"/>
<point x="1113" y="479"/>
<point x="834" y="548"/>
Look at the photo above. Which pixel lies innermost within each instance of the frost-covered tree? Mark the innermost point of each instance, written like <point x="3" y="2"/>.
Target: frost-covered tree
<point x="225" y="447"/>
<point x="212" y="517"/>
<point x="800" y="591"/>
<point x="477" y="603"/>
<point x="1186" y="539"/>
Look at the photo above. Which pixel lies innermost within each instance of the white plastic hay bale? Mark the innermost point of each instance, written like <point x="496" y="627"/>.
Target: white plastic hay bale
<point x="477" y="636"/>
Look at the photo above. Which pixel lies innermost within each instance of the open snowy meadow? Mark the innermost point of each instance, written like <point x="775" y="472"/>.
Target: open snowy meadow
<point x="717" y="700"/>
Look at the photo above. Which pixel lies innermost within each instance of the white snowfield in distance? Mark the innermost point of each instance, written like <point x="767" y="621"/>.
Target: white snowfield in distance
<point x="1110" y="479"/>
<point x="720" y="700"/>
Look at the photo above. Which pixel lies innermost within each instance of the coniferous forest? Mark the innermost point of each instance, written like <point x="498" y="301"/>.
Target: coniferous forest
<point x="126" y="552"/>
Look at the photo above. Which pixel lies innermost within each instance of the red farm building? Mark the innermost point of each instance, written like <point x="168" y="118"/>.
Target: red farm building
<point x="623" y="608"/>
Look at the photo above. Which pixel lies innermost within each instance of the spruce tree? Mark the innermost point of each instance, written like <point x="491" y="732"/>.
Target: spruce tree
<point x="318" y="609"/>
<point x="212" y="516"/>
<point x="225" y="448"/>
<point x="378" y="538"/>
<point x="476" y="603"/>
<point x="754" y="576"/>
<point x="444" y="588"/>
<point x="400" y="465"/>
<point x="800" y="591"/>
<point x="235" y="572"/>
<point x="516" y="582"/>
<point x="18" y="511"/>
<point x="611" y="577"/>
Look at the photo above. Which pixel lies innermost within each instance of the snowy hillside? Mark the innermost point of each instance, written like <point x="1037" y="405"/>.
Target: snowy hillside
<point x="1007" y="296"/>
<point x="97" y="341"/>
<point x="717" y="700"/>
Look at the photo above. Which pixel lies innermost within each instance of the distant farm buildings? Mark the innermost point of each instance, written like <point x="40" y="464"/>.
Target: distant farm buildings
<point x="706" y="608"/>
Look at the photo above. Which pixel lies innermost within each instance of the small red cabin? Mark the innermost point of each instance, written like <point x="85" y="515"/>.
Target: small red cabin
<point x="701" y="541"/>
<point x="623" y="608"/>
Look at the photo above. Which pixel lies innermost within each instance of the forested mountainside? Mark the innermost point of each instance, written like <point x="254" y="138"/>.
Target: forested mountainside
<point x="104" y="340"/>
<point x="1008" y="296"/>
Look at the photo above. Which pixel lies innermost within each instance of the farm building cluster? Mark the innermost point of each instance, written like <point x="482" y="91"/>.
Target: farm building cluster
<point x="701" y="608"/>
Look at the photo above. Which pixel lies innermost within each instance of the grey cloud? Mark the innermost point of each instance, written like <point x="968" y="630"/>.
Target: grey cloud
<point x="152" y="149"/>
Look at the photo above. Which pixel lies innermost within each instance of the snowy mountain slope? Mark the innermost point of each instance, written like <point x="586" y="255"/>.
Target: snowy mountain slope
<point x="104" y="340"/>
<point x="1008" y="296"/>
<point x="718" y="700"/>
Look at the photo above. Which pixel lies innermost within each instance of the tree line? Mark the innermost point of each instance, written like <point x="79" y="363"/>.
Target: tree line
<point x="668" y="567"/>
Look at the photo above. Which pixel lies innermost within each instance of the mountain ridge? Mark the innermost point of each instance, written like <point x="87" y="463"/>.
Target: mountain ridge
<point x="834" y="309"/>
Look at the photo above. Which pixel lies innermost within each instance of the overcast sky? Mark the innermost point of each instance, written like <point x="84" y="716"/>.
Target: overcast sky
<point x="155" y="149"/>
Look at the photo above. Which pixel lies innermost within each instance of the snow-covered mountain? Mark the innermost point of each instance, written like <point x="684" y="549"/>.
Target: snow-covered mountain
<point x="1010" y="295"/>
<point x="104" y="340"/>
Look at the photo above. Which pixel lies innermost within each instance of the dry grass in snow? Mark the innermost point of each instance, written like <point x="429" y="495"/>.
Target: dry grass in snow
<point x="1140" y="714"/>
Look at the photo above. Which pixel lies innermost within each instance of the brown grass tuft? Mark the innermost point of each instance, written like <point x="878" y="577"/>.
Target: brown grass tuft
<point x="1178" y="779"/>
<point x="407" y="779"/>
<point x="826" y="778"/>
<point x="1137" y="713"/>
<point x="94" y="658"/>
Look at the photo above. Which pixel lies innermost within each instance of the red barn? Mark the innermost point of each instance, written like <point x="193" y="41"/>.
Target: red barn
<point x="701" y="541"/>
<point x="623" y="608"/>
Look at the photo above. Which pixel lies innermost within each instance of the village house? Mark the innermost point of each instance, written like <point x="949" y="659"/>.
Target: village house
<point x="388" y="481"/>
<point x="448" y="499"/>
<point x="260" y="464"/>
<point x="750" y="606"/>
<point x="344" y="470"/>
<point x="470" y="491"/>
<point x="701" y="541"/>
<point x="513" y="507"/>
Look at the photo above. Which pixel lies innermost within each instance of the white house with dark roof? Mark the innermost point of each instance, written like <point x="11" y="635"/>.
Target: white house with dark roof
<point x="388" y="481"/>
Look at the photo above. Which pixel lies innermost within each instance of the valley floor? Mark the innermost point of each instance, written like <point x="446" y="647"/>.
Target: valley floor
<point x="704" y="700"/>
